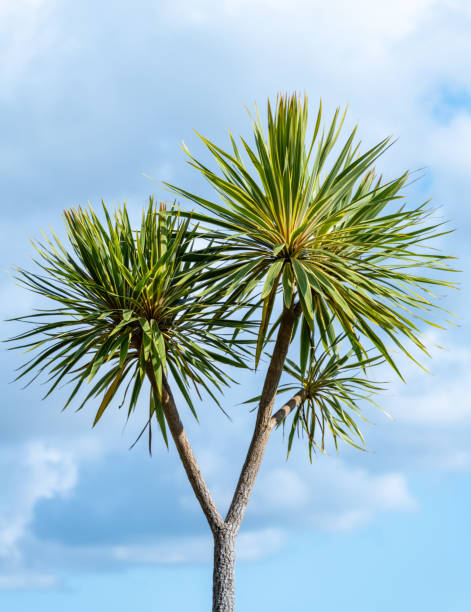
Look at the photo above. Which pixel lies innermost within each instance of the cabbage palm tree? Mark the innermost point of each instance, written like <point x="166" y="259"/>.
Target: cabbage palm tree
<point x="299" y="243"/>
<point x="128" y="306"/>
<point x="294" y="220"/>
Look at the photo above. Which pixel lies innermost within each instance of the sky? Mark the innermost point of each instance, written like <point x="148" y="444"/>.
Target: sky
<point x="94" y="99"/>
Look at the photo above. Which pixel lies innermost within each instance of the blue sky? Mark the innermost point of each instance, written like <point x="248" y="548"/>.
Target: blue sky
<point x="92" y="97"/>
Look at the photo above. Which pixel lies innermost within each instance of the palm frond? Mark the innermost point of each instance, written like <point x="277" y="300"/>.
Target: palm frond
<point x="126" y="301"/>
<point x="322" y="229"/>
<point x="334" y="385"/>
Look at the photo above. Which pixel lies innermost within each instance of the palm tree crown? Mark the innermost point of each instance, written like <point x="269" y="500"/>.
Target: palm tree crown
<point x="126" y="302"/>
<point x="318" y="229"/>
<point x="297" y="229"/>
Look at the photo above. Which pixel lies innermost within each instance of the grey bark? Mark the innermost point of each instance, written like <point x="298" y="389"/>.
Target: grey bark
<point x="224" y="570"/>
<point x="263" y="425"/>
<point x="281" y="414"/>
<point x="225" y="531"/>
<point x="224" y="557"/>
<point x="187" y="456"/>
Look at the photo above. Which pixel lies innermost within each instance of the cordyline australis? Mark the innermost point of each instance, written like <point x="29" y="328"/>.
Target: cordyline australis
<point x="297" y="244"/>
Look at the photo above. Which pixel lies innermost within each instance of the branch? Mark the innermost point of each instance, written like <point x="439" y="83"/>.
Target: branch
<point x="283" y="412"/>
<point x="187" y="456"/>
<point x="263" y="425"/>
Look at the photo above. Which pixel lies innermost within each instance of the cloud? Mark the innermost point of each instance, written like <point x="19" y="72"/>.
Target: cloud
<point x="27" y="580"/>
<point x="446" y="405"/>
<point x="31" y="473"/>
<point x="329" y="495"/>
<point x="256" y="544"/>
<point x="283" y="489"/>
<point x="109" y="519"/>
<point x="440" y="399"/>
<point x="83" y="114"/>
<point x="384" y="21"/>
<point x="171" y="551"/>
<point x="333" y="494"/>
<point x="448" y="148"/>
<point x="42" y="473"/>
<point x="251" y="546"/>
<point x="26" y="29"/>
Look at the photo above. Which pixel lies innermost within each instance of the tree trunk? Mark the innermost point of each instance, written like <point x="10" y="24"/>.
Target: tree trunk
<point x="225" y="532"/>
<point x="263" y="424"/>
<point x="223" y="571"/>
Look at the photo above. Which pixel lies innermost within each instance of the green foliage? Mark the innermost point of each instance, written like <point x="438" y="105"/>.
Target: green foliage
<point x="127" y="304"/>
<point x="314" y="225"/>
<point x="335" y="386"/>
<point x="301" y="223"/>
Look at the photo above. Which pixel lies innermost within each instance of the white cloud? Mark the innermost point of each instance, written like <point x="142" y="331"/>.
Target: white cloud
<point x="27" y="29"/>
<point x="30" y="473"/>
<point x="41" y="474"/>
<point x="450" y="146"/>
<point x="283" y="488"/>
<point x="392" y="62"/>
<point x="440" y="399"/>
<point x="256" y="544"/>
<point x="371" y="495"/>
<point x="27" y="580"/>
<point x="373" y="44"/>
<point x="385" y="21"/>
<point x="251" y="545"/>
<point x="388" y="60"/>
<point x="329" y="495"/>
<point x="446" y="403"/>
<point x="173" y="551"/>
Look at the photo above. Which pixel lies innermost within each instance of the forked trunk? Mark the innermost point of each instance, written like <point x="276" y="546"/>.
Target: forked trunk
<point x="225" y="531"/>
<point x="223" y="571"/>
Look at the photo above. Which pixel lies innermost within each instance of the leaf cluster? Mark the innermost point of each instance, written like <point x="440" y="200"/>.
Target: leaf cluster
<point x="127" y="302"/>
<point x="334" y="388"/>
<point x="299" y="219"/>
<point x="301" y="222"/>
